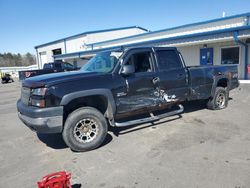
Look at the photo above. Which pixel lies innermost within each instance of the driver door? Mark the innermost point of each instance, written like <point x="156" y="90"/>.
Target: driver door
<point x="139" y="91"/>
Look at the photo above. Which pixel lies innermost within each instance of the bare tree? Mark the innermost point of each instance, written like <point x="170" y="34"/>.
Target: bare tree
<point x="10" y="60"/>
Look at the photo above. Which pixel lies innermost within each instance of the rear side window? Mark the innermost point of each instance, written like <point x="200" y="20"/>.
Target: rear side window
<point x="168" y="59"/>
<point x="58" y="65"/>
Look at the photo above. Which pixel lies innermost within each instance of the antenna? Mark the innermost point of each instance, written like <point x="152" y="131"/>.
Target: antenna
<point x="223" y="14"/>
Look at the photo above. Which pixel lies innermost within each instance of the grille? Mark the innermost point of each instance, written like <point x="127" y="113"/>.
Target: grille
<point x="25" y="95"/>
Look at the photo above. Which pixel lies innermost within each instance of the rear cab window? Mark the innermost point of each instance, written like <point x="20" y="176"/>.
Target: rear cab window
<point x="47" y="66"/>
<point x="168" y="60"/>
<point x="58" y="66"/>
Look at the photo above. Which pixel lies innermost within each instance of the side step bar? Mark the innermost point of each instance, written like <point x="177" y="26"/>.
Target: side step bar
<point x="152" y="118"/>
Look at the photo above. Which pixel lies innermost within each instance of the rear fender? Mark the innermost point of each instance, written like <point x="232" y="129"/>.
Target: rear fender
<point x="217" y="79"/>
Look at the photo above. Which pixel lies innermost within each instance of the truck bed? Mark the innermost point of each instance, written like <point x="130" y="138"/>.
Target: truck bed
<point x="201" y="79"/>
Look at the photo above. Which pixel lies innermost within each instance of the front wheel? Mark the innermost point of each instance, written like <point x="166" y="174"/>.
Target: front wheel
<point x="219" y="100"/>
<point x="85" y="129"/>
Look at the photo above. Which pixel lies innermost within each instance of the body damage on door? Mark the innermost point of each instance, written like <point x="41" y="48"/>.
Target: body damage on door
<point x="155" y="100"/>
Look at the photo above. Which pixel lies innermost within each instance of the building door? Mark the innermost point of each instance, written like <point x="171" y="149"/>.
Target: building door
<point x="43" y="59"/>
<point x="206" y="56"/>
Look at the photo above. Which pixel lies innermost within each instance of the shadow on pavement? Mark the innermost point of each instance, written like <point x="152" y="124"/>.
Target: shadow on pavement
<point x="188" y="107"/>
<point x="125" y="130"/>
<point x="194" y="106"/>
<point x="55" y="141"/>
<point x="76" y="186"/>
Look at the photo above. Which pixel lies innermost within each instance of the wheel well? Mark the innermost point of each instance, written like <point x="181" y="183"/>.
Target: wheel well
<point x="96" y="101"/>
<point x="222" y="83"/>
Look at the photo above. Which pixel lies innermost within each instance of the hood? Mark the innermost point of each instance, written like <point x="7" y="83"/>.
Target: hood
<point x="56" y="78"/>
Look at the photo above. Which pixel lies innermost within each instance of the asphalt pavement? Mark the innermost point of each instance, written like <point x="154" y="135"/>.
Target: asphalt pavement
<point x="200" y="148"/>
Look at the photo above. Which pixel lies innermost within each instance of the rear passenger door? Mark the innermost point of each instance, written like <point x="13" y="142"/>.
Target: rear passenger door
<point x="172" y="73"/>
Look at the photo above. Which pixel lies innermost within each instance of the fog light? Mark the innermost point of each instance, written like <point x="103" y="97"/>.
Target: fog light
<point x="38" y="102"/>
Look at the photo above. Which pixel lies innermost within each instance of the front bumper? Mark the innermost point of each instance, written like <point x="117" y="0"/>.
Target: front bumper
<point x="42" y="120"/>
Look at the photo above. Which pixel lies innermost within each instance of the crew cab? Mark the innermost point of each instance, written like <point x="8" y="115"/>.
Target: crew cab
<point x="120" y="87"/>
<point x="57" y="66"/>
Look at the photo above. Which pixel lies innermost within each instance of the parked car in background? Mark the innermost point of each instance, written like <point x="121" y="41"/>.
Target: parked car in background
<point x="6" y="78"/>
<point x="57" y="66"/>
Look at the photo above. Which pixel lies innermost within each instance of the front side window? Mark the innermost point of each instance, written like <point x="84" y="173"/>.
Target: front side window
<point x="103" y="62"/>
<point x="168" y="59"/>
<point x="230" y="55"/>
<point x="141" y="61"/>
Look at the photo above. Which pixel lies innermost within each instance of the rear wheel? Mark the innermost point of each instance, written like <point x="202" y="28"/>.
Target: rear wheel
<point x="85" y="129"/>
<point x="219" y="100"/>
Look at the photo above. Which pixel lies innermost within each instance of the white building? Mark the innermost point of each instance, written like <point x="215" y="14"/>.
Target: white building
<point x="214" y="42"/>
<point x="79" y="42"/>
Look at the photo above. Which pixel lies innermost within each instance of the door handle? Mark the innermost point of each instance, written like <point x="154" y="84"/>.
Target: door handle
<point x="156" y="80"/>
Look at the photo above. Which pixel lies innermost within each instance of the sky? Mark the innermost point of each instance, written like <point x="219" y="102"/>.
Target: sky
<point x="27" y="23"/>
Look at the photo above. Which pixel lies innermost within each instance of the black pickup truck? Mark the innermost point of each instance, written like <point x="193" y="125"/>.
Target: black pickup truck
<point x="119" y="88"/>
<point x="57" y="66"/>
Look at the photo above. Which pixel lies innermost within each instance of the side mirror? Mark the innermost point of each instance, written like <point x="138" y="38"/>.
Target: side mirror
<point x="127" y="70"/>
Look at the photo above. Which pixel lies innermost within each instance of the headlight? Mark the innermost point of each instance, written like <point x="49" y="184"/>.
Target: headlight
<point x="39" y="91"/>
<point x="37" y="97"/>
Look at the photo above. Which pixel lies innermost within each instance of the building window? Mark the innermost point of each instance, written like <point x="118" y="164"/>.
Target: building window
<point x="230" y="55"/>
<point x="57" y="51"/>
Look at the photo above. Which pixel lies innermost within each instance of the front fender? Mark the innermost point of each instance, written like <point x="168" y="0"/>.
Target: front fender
<point x="111" y="109"/>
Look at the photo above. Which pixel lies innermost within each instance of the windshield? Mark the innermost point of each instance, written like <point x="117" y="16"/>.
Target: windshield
<point x="103" y="62"/>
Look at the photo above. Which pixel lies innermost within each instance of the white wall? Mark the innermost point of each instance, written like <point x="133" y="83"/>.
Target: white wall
<point x="76" y="44"/>
<point x="100" y="37"/>
<point x="191" y="54"/>
<point x="192" y="29"/>
<point x="80" y="42"/>
<point x="48" y="50"/>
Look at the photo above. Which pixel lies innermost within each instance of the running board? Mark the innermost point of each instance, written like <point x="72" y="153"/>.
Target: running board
<point x="151" y="119"/>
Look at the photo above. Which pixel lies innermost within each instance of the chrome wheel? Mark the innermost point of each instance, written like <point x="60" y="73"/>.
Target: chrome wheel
<point x="86" y="130"/>
<point x="221" y="100"/>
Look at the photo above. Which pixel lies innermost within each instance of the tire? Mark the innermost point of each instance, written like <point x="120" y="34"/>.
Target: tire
<point x="85" y="129"/>
<point x="219" y="100"/>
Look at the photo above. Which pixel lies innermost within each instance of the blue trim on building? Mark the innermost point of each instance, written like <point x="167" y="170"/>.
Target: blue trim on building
<point x="158" y="40"/>
<point x="91" y="32"/>
<point x="65" y="47"/>
<point x="173" y="28"/>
